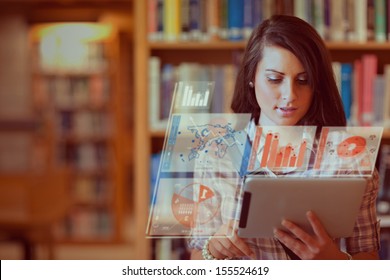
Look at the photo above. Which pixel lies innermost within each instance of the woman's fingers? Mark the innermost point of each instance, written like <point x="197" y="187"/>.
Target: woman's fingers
<point x="318" y="228"/>
<point x="301" y="242"/>
<point x="230" y="246"/>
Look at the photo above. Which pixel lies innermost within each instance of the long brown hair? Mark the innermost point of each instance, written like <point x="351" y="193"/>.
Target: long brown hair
<point x="303" y="41"/>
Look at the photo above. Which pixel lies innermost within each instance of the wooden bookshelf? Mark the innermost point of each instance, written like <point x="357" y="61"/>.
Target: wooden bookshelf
<point x="79" y="106"/>
<point x="39" y="125"/>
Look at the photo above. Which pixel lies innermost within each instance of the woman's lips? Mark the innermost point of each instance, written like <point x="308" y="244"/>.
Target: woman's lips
<point x="286" y="111"/>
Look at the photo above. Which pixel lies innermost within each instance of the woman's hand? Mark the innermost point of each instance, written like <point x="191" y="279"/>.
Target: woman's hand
<point x="309" y="246"/>
<point x="229" y="246"/>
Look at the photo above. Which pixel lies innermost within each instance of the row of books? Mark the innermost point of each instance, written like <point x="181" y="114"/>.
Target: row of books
<point x="88" y="157"/>
<point x="364" y="91"/>
<point x="84" y="223"/>
<point x="72" y="91"/>
<point x="83" y="124"/>
<point x="91" y="190"/>
<point x="335" y="20"/>
<point x="162" y="80"/>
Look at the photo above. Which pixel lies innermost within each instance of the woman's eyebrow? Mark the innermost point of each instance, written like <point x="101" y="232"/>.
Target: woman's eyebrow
<point x="273" y="70"/>
<point x="281" y="73"/>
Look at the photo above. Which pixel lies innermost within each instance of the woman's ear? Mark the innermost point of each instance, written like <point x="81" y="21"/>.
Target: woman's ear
<point x="251" y="85"/>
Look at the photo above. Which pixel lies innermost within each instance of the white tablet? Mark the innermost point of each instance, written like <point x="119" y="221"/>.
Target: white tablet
<point x="267" y="201"/>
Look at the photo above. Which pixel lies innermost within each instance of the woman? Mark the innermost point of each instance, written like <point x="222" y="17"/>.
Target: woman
<point x="286" y="78"/>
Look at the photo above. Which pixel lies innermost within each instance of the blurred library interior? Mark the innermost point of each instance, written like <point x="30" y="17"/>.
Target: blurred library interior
<point x="85" y="92"/>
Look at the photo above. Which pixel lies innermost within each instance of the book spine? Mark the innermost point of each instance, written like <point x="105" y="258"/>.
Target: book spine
<point x="380" y="20"/>
<point x="346" y="88"/>
<point x="319" y="17"/>
<point x="223" y="19"/>
<point x="248" y="18"/>
<point x="218" y="99"/>
<point x="337" y="20"/>
<point x="357" y="107"/>
<point x="160" y="20"/>
<point x="230" y="77"/>
<point x="337" y="73"/>
<point x="288" y="7"/>
<point x="204" y="16"/>
<point x="235" y="19"/>
<point x="267" y="8"/>
<point x="351" y="24"/>
<point x="167" y="88"/>
<point x="257" y="12"/>
<point x="388" y="19"/>
<point x="185" y="20"/>
<point x="386" y="100"/>
<point x="379" y="94"/>
<point x="327" y="10"/>
<point x="299" y="9"/>
<point x="370" y="20"/>
<point x="195" y="31"/>
<point x="152" y="20"/>
<point x="369" y="65"/>
<point x="361" y="20"/>
<point x="171" y="20"/>
<point x="154" y="91"/>
<point x="212" y="19"/>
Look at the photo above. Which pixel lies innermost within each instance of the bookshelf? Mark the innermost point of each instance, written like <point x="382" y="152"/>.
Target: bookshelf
<point x="76" y="96"/>
<point x="149" y="141"/>
<point x="35" y="132"/>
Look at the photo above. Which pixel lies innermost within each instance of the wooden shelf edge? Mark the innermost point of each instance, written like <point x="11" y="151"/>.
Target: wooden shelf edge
<point x="239" y="45"/>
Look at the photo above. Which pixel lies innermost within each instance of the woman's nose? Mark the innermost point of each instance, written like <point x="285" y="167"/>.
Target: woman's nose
<point x="288" y="91"/>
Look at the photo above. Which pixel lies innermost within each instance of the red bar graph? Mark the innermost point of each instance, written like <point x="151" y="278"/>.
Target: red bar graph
<point x="276" y="156"/>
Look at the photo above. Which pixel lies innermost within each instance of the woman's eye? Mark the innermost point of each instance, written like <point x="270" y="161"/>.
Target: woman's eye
<point x="274" y="80"/>
<point x="303" y="81"/>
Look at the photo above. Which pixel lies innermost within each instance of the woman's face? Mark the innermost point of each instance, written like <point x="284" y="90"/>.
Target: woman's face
<point x="282" y="89"/>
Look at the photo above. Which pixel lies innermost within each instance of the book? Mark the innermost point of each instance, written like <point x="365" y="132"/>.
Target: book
<point x="212" y="19"/>
<point x="154" y="93"/>
<point x="319" y="17"/>
<point x="248" y="23"/>
<point x="235" y="20"/>
<point x="223" y="19"/>
<point x="384" y="175"/>
<point x="370" y="20"/>
<point x="168" y="81"/>
<point x="152" y="20"/>
<point x="195" y="18"/>
<point x="171" y="20"/>
<point x="369" y="66"/>
<point x="351" y="21"/>
<point x="386" y="100"/>
<point x="346" y="88"/>
<point x="337" y="74"/>
<point x="361" y="20"/>
<point x="378" y="98"/>
<point x="184" y="20"/>
<point x="356" y="118"/>
<point x="257" y="12"/>
<point x="380" y="20"/>
<point x="337" y="22"/>
<point x="304" y="10"/>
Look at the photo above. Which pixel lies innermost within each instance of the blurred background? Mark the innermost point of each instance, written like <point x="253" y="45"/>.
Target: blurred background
<point x="66" y="125"/>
